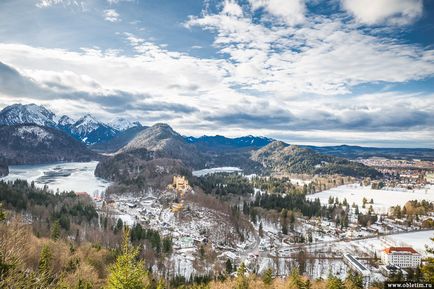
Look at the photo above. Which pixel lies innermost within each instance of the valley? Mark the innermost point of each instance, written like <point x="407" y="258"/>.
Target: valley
<point x="202" y="207"/>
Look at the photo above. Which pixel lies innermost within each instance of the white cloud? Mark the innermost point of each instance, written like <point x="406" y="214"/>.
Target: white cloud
<point x="325" y="56"/>
<point x="290" y="70"/>
<point x="111" y="15"/>
<point x="290" y="11"/>
<point x="398" y="12"/>
<point x="47" y="3"/>
<point x="232" y="8"/>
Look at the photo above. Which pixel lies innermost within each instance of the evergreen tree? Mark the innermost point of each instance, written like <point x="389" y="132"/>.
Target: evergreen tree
<point x="127" y="272"/>
<point x="242" y="281"/>
<point x="55" y="230"/>
<point x="354" y="280"/>
<point x="2" y="213"/>
<point x="161" y="284"/>
<point x="44" y="267"/>
<point x="229" y="267"/>
<point x="356" y="210"/>
<point x="295" y="279"/>
<point x="284" y="221"/>
<point x="267" y="278"/>
<point x="334" y="283"/>
<point x="261" y="230"/>
<point x="119" y="226"/>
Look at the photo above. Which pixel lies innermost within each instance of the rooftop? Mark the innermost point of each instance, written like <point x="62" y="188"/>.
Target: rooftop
<point x="400" y="249"/>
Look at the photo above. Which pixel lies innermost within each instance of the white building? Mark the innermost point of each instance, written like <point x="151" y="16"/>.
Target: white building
<point x="403" y="257"/>
<point x="359" y="268"/>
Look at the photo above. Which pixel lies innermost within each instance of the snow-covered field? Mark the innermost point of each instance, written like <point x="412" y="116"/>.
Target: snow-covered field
<point x="417" y="240"/>
<point x="367" y="247"/>
<point x="204" y="172"/>
<point x="383" y="199"/>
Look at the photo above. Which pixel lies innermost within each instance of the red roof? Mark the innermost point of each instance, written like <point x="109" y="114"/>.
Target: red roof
<point x="400" y="249"/>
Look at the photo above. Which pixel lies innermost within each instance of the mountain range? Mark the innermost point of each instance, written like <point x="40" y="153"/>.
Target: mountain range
<point x="33" y="134"/>
<point x="86" y="129"/>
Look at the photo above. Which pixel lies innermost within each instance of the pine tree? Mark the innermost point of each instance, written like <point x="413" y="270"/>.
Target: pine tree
<point x="354" y="280"/>
<point x="268" y="277"/>
<point x="127" y="272"/>
<point x="229" y="267"/>
<point x="295" y="279"/>
<point x="261" y="230"/>
<point x="44" y="267"/>
<point x="2" y="213"/>
<point x="161" y="284"/>
<point x="334" y="283"/>
<point x="119" y="226"/>
<point x="55" y="230"/>
<point x="284" y="221"/>
<point x="242" y="281"/>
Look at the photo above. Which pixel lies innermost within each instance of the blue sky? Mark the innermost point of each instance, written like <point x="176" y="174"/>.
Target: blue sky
<point x="304" y="71"/>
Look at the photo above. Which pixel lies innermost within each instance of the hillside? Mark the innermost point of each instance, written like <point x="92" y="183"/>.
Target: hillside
<point x="119" y="141"/>
<point x="138" y="169"/>
<point x="281" y="157"/>
<point x="165" y="143"/>
<point x="32" y="144"/>
<point x="4" y="170"/>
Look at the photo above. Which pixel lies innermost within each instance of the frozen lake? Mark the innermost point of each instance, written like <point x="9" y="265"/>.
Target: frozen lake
<point x="78" y="177"/>
<point x="204" y="172"/>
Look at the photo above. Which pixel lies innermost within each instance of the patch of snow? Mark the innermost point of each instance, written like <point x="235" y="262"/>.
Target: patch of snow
<point x="33" y="131"/>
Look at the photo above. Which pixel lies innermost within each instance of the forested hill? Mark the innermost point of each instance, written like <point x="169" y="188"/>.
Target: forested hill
<point x="281" y="157"/>
<point x="32" y="144"/>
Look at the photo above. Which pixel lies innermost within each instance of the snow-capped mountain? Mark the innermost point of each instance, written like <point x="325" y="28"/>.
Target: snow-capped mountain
<point x="122" y="124"/>
<point x="27" y="113"/>
<point x="91" y="131"/>
<point x="65" y="121"/>
<point x="87" y="129"/>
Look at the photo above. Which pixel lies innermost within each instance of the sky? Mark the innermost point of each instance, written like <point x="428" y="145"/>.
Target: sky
<point x="319" y="72"/>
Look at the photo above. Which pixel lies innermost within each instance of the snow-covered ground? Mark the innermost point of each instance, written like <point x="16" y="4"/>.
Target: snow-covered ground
<point x="369" y="247"/>
<point x="383" y="199"/>
<point x="204" y="172"/>
<point x="417" y="240"/>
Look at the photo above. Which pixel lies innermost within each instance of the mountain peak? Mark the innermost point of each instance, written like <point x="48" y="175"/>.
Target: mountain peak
<point x="122" y="124"/>
<point x="27" y="113"/>
<point x="65" y="121"/>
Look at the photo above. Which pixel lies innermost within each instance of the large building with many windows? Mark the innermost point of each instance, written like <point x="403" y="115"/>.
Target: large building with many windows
<point x="403" y="257"/>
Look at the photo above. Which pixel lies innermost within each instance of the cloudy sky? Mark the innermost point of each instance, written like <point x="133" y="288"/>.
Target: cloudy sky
<point x="305" y="71"/>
